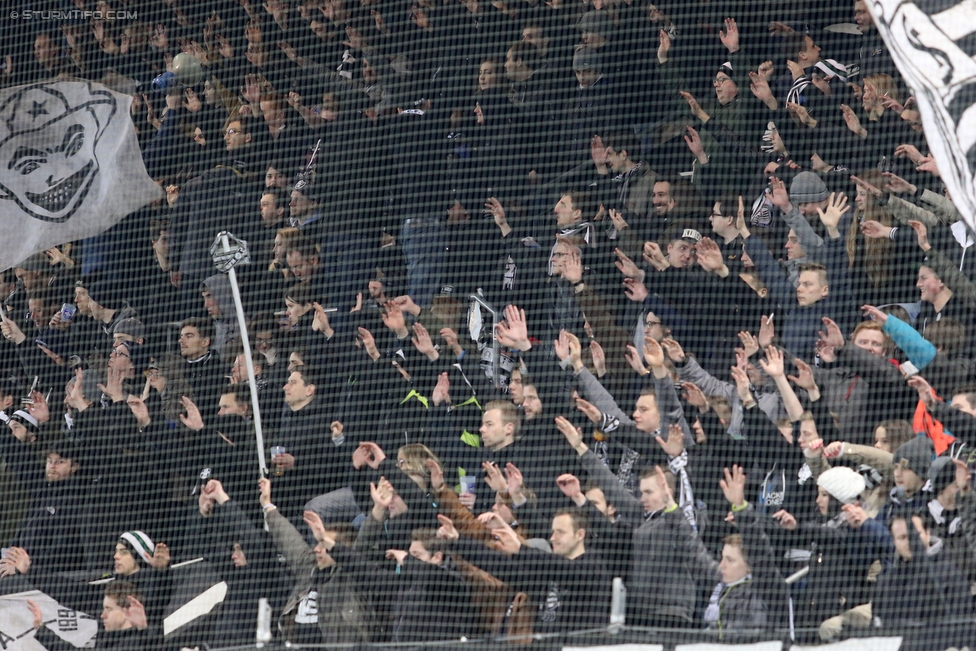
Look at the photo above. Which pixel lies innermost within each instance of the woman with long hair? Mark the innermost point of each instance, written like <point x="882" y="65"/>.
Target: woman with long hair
<point x="882" y="269"/>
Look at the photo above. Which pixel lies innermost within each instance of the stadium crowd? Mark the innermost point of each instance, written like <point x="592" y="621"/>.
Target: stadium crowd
<point x="734" y="313"/>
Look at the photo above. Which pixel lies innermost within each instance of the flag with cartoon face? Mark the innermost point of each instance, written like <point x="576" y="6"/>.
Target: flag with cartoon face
<point x="928" y="41"/>
<point x="70" y="165"/>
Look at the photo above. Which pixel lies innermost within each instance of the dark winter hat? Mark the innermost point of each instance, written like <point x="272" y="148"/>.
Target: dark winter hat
<point x="808" y="187"/>
<point x="107" y="293"/>
<point x="596" y="22"/>
<point x="726" y="69"/>
<point x="29" y="422"/>
<point x="585" y="59"/>
<point x="915" y="455"/>
<point x="66" y="450"/>
<point x="132" y="327"/>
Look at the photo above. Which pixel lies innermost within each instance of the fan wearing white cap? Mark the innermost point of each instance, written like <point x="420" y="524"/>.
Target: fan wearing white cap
<point x="838" y="487"/>
<point x="135" y="550"/>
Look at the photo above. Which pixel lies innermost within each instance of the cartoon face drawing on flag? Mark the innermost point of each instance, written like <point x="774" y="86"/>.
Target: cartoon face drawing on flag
<point x="927" y="41"/>
<point x="66" y="149"/>
<point x="48" y="147"/>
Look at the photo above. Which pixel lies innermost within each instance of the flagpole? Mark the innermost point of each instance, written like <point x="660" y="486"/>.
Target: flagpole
<point x="251" y="380"/>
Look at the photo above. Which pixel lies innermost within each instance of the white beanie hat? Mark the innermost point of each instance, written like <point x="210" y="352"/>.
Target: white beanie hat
<point x="139" y="543"/>
<point x="843" y="484"/>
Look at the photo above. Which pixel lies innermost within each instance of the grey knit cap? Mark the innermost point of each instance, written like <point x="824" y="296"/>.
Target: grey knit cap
<point x="808" y="187"/>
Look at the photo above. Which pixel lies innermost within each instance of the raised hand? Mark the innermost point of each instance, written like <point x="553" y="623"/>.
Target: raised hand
<point x="875" y="230"/>
<point x="928" y="164"/>
<point x="598" y="152"/>
<point x="734" y="487"/>
<point x="695" y="396"/>
<point x="394" y="320"/>
<point x="921" y="234"/>
<point x="923" y="388"/>
<point x="854" y="514"/>
<point x="264" y="494"/>
<point x="599" y="358"/>
<point x="513" y="331"/>
<point x="161" y="557"/>
<point x="870" y="189"/>
<point x="635" y="290"/>
<point x="853" y="122"/>
<point x="730" y="37"/>
<point x="442" y="390"/>
<point x="634" y="359"/>
<point x="663" y="47"/>
<point x="374" y="454"/>
<point x="436" y="474"/>
<point x="572" y="268"/>
<point x="773" y="364"/>
<point x="709" y="255"/>
<point x="778" y="194"/>
<point x="626" y="266"/>
<point x="909" y="152"/>
<point x="320" y="321"/>
<point x="37" y="618"/>
<point x="382" y="494"/>
<point x="742" y="385"/>
<point x="897" y="185"/>
<point x="759" y="86"/>
<point x="369" y="343"/>
<point x="675" y="352"/>
<point x="694" y="106"/>
<point x="785" y="520"/>
<point x="653" y="255"/>
<point x="513" y="479"/>
<point x="693" y="140"/>
<point x="573" y="435"/>
<point x="192" y="420"/>
<point x="750" y="345"/>
<point x="423" y="343"/>
<point x="653" y="354"/>
<point x="836" y="207"/>
<point x="875" y="314"/>
<point x="38" y="407"/>
<point x="493" y="476"/>
<point x="589" y="410"/>
<point x="804" y="377"/>
<point x="447" y="530"/>
<point x="314" y="522"/>
<point x="570" y="486"/>
<point x="575" y="350"/>
<point x="617" y="218"/>
<point x="833" y="337"/>
<point x="675" y="444"/>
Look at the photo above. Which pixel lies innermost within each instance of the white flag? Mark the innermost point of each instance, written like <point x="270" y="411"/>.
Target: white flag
<point x="923" y="39"/>
<point x="17" y="623"/>
<point x="70" y="165"/>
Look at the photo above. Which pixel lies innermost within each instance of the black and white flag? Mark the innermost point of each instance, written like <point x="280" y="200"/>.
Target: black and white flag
<point x="70" y="165"/>
<point x="925" y="39"/>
